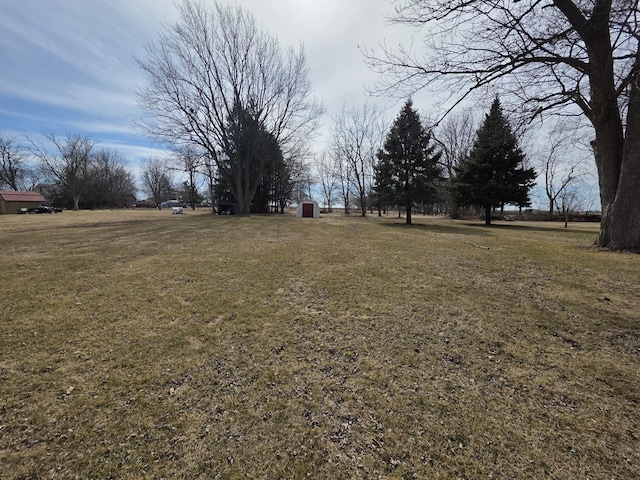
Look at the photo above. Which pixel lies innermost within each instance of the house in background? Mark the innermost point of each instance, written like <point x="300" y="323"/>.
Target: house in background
<point x="13" y="202"/>
<point x="308" y="209"/>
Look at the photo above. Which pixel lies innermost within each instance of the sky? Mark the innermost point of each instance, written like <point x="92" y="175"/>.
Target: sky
<point x="68" y="66"/>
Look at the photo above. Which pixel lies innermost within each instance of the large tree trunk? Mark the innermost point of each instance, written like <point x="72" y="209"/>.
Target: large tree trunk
<point x="363" y="205"/>
<point x="608" y="152"/>
<point x="620" y="227"/>
<point x="239" y="194"/>
<point x="616" y="157"/>
<point x="487" y="215"/>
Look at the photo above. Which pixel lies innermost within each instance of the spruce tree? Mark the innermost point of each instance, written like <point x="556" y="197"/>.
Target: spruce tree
<point x="382" y="194"/>
<point x="250" y="152"/>
<point x="408" y="170"/>
<point x="494" y="173"/>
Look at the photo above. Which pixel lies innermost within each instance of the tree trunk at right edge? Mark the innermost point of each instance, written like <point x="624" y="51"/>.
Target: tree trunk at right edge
<point x="620" y="227"/>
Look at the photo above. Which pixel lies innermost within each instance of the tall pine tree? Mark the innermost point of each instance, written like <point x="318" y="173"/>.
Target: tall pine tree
<point x="494" y="173"/>
<point x="408" y="170"/>
<point x="250" y="152"/>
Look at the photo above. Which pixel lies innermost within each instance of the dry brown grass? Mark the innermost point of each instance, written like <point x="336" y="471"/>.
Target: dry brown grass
<point x="149" y="345"/>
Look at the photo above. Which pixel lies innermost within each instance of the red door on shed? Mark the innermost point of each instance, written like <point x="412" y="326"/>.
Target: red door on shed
<point x="307" y="210"/>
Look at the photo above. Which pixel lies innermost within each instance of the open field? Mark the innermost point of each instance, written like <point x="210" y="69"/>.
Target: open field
<point x="140" y="344"/>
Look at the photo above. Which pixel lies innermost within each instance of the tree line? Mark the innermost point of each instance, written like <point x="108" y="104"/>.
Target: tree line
<point x="74" y="172"/>
<point x="71" y="172"/>
<point x="409" y="168"/>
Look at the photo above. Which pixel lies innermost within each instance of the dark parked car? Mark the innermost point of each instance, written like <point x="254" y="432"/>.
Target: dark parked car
<point x="43" y="209"/>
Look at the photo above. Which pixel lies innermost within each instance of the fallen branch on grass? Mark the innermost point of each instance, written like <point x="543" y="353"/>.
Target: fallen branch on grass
<point x="479" y="246"/>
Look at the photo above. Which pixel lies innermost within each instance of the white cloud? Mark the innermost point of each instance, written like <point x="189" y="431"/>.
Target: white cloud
<point x="76" y="54"/>
<point x="71" y="63"/>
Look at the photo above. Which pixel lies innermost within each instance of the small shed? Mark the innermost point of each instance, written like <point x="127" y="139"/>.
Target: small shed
<point x="13" y="202"/>
<point x="308" y="209"/>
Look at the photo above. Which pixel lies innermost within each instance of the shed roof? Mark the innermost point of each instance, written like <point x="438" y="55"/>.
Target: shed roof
<point x="9" y="196"/>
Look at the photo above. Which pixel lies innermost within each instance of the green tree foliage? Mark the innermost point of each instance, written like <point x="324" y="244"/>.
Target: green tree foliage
<point x="408" y="171"/>
<point x="275" y="188"/>
<point x="494" y="173"/>
<point x="383" y="193"/>
<point x="252" y="163"/>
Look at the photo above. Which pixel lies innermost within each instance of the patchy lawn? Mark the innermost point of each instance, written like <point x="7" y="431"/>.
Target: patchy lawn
<point x="140" y="344"/>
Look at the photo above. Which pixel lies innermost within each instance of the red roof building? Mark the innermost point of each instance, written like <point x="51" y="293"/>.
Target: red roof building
<point x="13" y="202"/>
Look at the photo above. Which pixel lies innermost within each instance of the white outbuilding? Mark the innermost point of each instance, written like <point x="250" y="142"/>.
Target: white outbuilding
<point x="308" y="209"/>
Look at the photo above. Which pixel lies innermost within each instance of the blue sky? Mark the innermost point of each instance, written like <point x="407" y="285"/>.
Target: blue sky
<point x="68" y="66"/>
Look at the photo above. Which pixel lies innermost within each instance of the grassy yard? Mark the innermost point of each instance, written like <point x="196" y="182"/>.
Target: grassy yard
<point x="141" y="344"/>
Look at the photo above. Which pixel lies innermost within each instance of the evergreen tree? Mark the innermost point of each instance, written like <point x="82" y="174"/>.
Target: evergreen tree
<point x="494" y="174"/>
<point x="408" y="171"/>
<point x="250" y="151"/>
<point x="383" y="194"/>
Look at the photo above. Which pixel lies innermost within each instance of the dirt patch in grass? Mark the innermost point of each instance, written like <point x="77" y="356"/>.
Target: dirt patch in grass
<point x="150" y="345"/>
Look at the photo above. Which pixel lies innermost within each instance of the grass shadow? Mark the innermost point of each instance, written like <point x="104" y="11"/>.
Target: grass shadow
<point x="479" y="228"/>
<point x="455" y="229"/>
<point x="534" y="228"/>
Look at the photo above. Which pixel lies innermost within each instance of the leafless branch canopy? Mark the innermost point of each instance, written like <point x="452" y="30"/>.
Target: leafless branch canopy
<point x="13" y="165"/>
<point x="543" y="51"/>
<point x="356" y="136"/>
<point x="212" y="60"/>
<point x="66" y="161"/>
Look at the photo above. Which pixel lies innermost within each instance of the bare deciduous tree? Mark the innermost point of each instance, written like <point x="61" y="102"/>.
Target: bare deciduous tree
<point x="15" y="171"/>
<point x="327" y="177"/>
<point x="155" y="176"/>
<point x="569" y="202"/>
<point x="344" y="172"/>
<point x="356" y="137"/>
<point x="111" y="183"/>
<point x="551" y="55"/>
<point x="296" y="184"/>
<point x="217" y="61"/>
<point x="455" y="136"/>
<point x="188" y="160"/>
<point x="66" y="162"/>
<point x="209" y="170"/>
<point x="302" y="183"/>
<point x="562" y="162"/>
